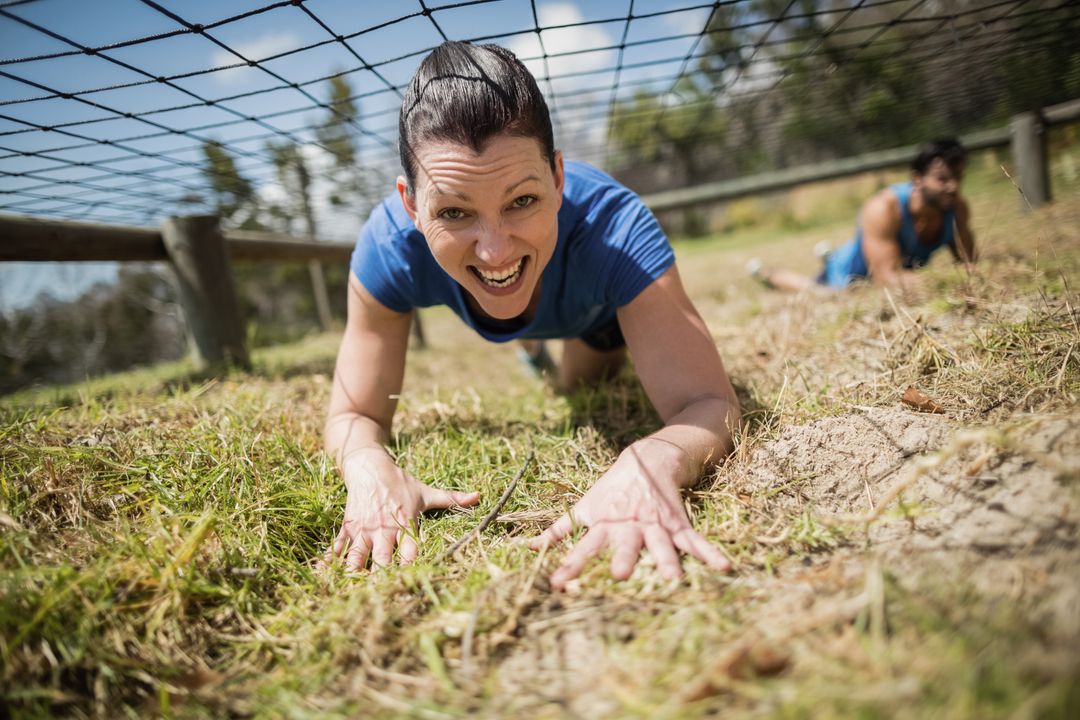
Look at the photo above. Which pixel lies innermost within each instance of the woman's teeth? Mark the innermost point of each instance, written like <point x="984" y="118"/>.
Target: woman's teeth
<point x="502" y="278"/>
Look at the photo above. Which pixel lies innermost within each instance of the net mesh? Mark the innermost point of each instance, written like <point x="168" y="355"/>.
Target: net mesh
<point x="128" y="111"/>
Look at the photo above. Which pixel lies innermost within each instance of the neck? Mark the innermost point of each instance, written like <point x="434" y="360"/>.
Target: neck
<point x="919" y="208"/>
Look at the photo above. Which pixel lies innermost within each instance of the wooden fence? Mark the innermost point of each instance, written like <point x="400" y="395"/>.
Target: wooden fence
<point x="1026" y="135"/>
<point x="201" y="254"/>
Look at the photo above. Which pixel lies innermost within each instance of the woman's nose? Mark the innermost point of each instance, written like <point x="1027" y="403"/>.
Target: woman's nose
<point x="493" y="246"/>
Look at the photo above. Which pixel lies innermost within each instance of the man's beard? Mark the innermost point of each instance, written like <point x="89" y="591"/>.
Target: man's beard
<point x="938" y="200"/>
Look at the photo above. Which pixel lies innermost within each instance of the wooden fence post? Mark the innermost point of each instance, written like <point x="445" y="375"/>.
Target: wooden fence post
<point x="215" y="330"/>
<point x="1029" y="158"/>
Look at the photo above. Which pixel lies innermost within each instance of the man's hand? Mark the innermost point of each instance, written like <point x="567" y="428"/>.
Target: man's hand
<point x="636" y="504"/>
<point x="380" y="513"/>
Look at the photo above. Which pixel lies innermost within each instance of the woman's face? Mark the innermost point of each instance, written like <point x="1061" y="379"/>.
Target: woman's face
<point x="491" y="220"/>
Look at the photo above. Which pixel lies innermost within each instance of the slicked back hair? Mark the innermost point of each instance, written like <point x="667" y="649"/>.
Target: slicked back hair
<point x="467" y="94"/>
<point x="951" y="152"/>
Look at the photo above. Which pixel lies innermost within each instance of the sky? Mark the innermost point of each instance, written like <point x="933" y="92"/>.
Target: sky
<point x="145" y="168"/>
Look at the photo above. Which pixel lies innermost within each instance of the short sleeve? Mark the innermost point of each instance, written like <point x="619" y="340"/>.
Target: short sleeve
<point x="637" y="251"/>
<point x="380" y="261"/>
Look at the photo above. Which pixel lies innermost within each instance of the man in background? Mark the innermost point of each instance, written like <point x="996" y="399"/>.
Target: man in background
<point x="898" y="229"/>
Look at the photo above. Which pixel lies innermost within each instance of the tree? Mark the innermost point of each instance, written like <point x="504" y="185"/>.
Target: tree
<point x="670" y="128"/>
<point x="295" y="179"/>
<point x="235" y="199"/>
<point x="337" y="134"/>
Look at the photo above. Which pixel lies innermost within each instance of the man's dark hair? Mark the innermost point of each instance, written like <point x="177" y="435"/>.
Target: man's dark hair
<point x="951" y="152"/>
<point x="467" y="94"/>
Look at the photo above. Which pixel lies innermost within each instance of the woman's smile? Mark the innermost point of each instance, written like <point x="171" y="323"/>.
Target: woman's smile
<point x="504" y="281"/>
<point x="490" y="218"/>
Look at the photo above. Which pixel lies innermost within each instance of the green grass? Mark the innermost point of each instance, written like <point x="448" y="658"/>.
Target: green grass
<point x="160" y="529"/>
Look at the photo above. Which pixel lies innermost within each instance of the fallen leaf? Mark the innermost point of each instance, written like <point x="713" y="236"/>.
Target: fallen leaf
<point x="198" y="679"/>
<point x="916" y="399"/>
<point x="744" y="660"/>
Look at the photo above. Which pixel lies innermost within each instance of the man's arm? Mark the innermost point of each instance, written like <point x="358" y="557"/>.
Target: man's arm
<point x="637" y="503"/>
<point x="880" y="222"/>
<point x="383" y="500"/>
<point x="963" y="246"/>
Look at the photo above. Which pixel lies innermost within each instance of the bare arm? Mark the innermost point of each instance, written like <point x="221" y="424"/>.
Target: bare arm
<point x="682" y="373"/>
<point x="880" y="221"/>
<point x="383" y="500"/>
<point x="367" y="377"/>
<point x="636" y="504"/>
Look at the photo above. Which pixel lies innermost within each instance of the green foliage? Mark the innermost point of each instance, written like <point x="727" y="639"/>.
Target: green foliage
<point x="295" y="180"/>
<point x="107" y="328"/>
<point x="234" y="195"/>
<point x="814" y="95"/>
<point x="337" y="134"/>
<point x="669" y="128"/>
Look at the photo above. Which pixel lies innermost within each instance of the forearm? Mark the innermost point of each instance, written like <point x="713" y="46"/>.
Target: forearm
<point x="348" y="432"/>
<point x="703" y="435"/>
<point x="897" y="277"/>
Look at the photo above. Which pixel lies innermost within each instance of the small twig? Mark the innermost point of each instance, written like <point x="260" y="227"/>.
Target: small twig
<point x="491" y="515"/>
<point x="1064" y="365"/>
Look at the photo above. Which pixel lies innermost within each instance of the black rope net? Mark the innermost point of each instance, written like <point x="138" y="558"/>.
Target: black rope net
<point x="127" y="111"/>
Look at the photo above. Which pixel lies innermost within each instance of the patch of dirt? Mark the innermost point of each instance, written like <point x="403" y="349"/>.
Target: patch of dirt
<point x="562" y="664"/>
<point x="999" y="513"/>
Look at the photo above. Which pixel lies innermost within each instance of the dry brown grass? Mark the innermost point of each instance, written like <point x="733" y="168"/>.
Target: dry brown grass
<point x="157" y="533"/>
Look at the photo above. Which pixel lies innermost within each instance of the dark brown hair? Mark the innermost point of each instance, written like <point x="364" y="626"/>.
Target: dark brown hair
<point x="951" y="152"/>
<point x="467" y="94"/>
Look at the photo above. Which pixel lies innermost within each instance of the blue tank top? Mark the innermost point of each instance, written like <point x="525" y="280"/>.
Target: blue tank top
<point x="848" y="262"/>
<point x="609" y="249"/>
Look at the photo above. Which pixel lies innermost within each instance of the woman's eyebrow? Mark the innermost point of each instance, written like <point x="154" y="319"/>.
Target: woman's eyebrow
<point x="438" y="194"/>
<point x="510" y="188"/>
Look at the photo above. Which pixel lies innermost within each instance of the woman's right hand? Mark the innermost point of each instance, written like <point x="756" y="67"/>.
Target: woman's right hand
<point x="380" y="513"/>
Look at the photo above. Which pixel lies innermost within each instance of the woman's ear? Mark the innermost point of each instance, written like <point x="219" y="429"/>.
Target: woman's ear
<point x="408" y="199"/>
<point x="560" y="176"/>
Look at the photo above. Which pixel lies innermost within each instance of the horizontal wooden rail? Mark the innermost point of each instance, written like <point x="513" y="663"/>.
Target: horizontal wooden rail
<point x="830" y="170"/>
<point x="802" y="174"/>
<point x="37" y="240"/>
<point x="31" y="239"/>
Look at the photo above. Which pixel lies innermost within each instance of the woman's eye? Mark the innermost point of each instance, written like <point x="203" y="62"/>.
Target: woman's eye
<point x="451" y="214"/>
<point x="524" y="201"/>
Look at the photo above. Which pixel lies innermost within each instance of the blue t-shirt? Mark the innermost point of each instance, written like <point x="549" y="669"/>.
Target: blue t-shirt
<point x="848" y="262"/>
<point x="609" y="249"/>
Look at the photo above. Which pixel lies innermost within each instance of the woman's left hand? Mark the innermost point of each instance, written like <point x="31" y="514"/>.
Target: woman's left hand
<point x="636" y="504"/>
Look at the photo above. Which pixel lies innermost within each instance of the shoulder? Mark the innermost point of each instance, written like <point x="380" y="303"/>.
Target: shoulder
<point x="594" y="203"/>
<point x="617" y="243"/>
<point x="882" y="210"/>
<point x="388" y="254"/>
<point x="587" y="185"/>
<point x="388" y="222"/>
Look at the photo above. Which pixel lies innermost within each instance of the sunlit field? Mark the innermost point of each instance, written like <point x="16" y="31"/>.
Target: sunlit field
<point x="160" y="529"/>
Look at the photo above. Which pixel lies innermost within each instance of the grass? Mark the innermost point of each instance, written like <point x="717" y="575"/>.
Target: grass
<point x="159" y="528"/>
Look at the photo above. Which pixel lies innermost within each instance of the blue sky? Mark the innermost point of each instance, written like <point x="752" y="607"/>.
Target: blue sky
<point x="140" y="180"/>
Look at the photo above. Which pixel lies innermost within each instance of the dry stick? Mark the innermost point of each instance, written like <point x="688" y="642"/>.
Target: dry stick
<point x="491" y="515"/>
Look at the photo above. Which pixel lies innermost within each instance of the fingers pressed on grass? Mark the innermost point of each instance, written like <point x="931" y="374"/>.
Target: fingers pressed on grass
<point x="575" y="561"/>
<point x="555" y="532"/>
<point x="658" y="541"/>
<point x="436" y="499"/>
<point x="693" y="543"/>
<point x="407" y="549"/>
<point x="382" y="552"/>
<point x="626" y="544"/>
<point x="357" y="556"/>
<point x="335" y="549"/>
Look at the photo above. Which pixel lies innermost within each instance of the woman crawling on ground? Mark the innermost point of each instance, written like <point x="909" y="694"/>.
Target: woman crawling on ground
<point x="489" y="220"/>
